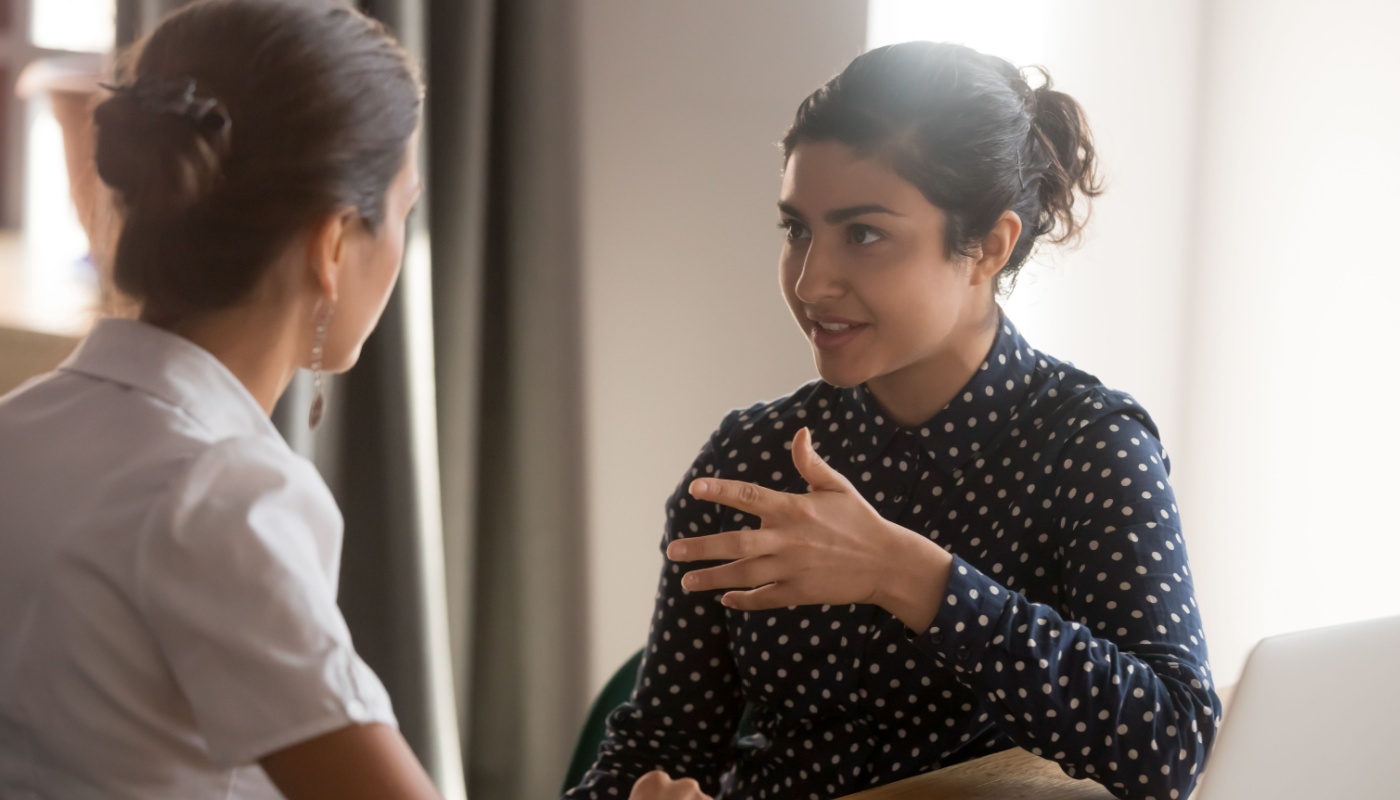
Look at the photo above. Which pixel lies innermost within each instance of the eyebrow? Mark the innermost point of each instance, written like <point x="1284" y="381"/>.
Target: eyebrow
<point x="839" y="215"/>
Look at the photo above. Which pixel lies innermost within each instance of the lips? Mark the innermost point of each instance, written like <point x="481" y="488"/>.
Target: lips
<point x="832" y="333"/>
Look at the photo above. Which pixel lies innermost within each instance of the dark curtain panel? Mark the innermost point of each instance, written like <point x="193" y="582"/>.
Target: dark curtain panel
<point x="528" y="648"/>
<point x="501" y="169"/>
<point x="454" y="446"/>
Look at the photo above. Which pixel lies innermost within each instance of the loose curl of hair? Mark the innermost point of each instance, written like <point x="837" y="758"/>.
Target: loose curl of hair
<point x="970" y="132"/>
<point x="241" y="123"/>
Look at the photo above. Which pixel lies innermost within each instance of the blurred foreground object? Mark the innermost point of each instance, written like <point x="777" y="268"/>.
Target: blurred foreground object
<point x="71" y="83"/>
<point x="44" y="311"/>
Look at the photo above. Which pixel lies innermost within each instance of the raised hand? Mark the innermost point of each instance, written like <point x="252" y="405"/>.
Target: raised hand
<point x="828" y="546"/>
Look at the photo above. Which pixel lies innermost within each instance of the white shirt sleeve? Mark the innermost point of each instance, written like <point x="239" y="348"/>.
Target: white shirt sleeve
<point x="237" y="580"/>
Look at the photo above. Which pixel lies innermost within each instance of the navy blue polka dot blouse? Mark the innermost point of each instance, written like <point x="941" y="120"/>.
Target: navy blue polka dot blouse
<point x="1070" y="627"/>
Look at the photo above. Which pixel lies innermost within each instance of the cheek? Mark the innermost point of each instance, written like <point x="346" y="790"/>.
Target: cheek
<point x="918" y="304"/>
<point x="364" y="296"/>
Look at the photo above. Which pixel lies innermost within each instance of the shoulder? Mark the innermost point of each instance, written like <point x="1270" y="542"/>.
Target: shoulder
<point x="1090" y="433"/>
<point x="812" y="403"/>
<point x="250" y="468"/>
<point x="249" y="500"/>
<point x="763" y="431"/>
<point x="752" y="443"/>
<point x="1065" y="402"/>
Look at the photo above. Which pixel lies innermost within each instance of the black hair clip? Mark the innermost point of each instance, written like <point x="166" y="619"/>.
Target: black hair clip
<point x="176" y="96"/>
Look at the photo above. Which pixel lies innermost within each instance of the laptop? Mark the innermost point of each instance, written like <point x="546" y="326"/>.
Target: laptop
<point x="1316" y="715"/>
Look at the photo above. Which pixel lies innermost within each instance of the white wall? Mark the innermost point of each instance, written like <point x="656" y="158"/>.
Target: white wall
<point x="1292" y="464"/>
<point x="682" y="104"/>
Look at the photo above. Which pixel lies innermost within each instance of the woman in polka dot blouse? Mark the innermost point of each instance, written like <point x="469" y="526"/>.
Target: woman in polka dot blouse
<point x="951" y="544"/>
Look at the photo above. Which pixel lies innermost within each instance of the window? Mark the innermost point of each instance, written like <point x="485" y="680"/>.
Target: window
<point x="44" y="43"/>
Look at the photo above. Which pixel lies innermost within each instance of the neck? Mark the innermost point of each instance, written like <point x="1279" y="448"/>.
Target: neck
<point x="912" y="395"/>
<point x="263" y="347"/>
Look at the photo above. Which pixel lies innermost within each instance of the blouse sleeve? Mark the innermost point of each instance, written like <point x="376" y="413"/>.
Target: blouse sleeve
<point x="687" y="703"/>
<point x="238" y="586"/>
<point x="1112" y="682"/>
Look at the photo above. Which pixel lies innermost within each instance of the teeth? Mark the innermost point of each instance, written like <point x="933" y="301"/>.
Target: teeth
<point x="834" y="326"/>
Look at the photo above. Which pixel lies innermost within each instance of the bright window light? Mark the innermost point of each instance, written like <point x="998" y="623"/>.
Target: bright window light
<point x="52" y="229"/>
<point x="1012" y="29"/>
<point x="59" y="275"/>
<point x="77" y="25"/>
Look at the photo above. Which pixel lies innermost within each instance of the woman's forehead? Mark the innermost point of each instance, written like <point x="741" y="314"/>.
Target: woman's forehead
<point x="824" y="176"/>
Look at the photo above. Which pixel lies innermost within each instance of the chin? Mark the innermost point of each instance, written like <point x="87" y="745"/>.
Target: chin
<point x="840" y="376"/>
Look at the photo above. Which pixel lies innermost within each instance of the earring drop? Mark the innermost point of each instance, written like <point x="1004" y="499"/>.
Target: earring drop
<point x="318" y="404"/>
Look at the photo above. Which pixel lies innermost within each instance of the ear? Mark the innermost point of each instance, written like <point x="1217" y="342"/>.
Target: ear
<point x="996" y="248"/>
<point x="326" y="251"/>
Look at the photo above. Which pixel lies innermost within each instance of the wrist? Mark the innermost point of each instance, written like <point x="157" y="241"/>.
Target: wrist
<point x="917" y="579"/>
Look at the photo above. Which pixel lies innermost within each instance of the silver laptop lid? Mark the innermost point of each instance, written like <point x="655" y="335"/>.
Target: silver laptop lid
<point x="1316" y="715"/>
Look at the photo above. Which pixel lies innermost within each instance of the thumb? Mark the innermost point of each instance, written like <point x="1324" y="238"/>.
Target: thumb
<point x="821" y="476"/>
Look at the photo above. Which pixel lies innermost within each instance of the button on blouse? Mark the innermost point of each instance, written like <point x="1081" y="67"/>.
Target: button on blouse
<point x="1070" y="626"/>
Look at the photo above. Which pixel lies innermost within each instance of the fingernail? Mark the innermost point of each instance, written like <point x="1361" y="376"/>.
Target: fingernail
<point x="675" y="551"/>
<point x="699" y="487"/>
<point x="690" y="580"/>
<point x="724" y="601"/>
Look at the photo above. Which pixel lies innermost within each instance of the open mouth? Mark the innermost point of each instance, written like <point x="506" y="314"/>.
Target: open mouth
<point x="832" y="335"/>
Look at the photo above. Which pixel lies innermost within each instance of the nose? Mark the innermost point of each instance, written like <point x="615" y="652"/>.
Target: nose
<point x="819" y="278"/>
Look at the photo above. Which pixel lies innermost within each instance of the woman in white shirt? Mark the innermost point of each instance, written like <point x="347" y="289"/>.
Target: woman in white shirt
<point x="168" y="624"/>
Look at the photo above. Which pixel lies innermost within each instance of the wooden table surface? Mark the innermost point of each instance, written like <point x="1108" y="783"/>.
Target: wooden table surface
<point x="1009" y="775"/>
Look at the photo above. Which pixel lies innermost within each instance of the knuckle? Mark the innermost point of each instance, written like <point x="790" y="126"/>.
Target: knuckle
<point x="801" y="509"/>
<point x="744" y="545"/>
<point x="748" y="493"/>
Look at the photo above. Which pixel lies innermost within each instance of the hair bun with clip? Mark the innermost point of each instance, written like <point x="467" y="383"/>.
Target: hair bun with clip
<point x="176" y="96"/>
<point x="161" y="145"/>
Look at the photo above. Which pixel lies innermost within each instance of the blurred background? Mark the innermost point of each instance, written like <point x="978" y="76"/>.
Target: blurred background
<point x="594" y="286"/>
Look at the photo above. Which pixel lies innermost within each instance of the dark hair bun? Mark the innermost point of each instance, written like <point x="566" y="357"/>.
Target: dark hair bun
<point x="160" y="147"/>
<point x="1062" y="132"/>
<point x="248" y="121"/>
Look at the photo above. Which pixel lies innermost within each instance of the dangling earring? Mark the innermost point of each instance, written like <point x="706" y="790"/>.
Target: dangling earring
<point x="318" y="404"/>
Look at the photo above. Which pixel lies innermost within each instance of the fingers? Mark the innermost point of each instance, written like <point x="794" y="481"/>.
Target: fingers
<point x="744" y="496"/>
<point x="764" y="598"/>
<point x="657" y="785"/>
<point x="724" y="546"/>
<point x="819" y="475"/>
<point x="746" y="574"/>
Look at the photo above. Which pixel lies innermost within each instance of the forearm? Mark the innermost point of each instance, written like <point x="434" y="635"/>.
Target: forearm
<point x="1138" y="720"/>
<point x="357" y="761"/>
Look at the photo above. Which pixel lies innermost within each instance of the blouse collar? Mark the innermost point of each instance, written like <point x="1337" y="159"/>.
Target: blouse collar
<point x="977" y="416"/>
<point x="173" y="369"/>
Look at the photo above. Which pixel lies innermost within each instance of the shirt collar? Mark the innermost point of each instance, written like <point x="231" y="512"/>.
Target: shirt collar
<point x="173" y="369"/>
<point x="976" y="416"/>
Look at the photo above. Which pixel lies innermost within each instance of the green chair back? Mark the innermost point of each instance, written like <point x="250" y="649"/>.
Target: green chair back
<point x="615" y="693"/>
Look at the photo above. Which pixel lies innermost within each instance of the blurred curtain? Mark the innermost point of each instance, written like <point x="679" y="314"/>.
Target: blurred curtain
<point x="455" y="446"/>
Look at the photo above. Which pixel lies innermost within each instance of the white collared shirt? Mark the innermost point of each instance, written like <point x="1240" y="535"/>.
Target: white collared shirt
<point x="168" y="571"/>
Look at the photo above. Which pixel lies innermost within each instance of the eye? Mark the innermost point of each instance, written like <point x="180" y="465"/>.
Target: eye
<point x="795" y="230"/>
<point x="863" y="234"/>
